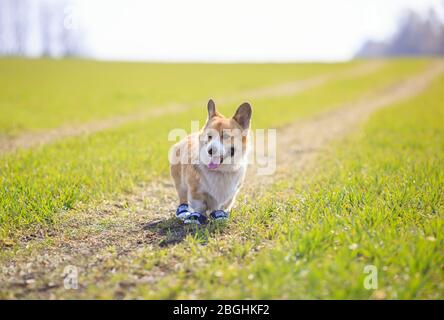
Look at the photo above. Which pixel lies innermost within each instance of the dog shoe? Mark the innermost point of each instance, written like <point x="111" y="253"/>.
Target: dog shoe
<point x="182" y="211"/>
<point x="196" y="218"/>
<point x="219" y="215"/>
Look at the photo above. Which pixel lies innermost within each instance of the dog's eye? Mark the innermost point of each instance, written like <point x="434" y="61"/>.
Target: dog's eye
<point x="232" y="151"/>
<point x="210" y="137"/>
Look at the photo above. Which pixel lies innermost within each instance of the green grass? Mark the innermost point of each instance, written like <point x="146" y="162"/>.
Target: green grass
<point x="376" y="200"/>
<point x="40" y="94"/>
<point x="273" y="112"/>
<point x="85" y="170"/>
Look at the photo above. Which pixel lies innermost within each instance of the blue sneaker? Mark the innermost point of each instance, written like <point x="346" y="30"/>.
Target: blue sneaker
<point x="196" y="218"/>
<point x="219" y="215"/>
<point x="182" y="211"/>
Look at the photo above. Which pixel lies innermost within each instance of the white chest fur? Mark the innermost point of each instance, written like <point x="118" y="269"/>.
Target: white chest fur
<point x="220" y="187"/>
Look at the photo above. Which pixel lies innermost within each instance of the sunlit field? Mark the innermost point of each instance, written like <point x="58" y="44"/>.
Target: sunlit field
<point x="373" y="196"/>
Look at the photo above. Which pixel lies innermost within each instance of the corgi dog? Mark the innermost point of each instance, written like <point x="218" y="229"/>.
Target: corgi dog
<point x="208" y="167"/>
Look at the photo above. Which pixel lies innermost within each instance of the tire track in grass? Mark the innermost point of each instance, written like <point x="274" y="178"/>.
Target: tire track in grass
<point x="301" y="140"/>
<point x="292" y="88"/>
<point x="28" y="140"/>
<point x="102" y="240"/>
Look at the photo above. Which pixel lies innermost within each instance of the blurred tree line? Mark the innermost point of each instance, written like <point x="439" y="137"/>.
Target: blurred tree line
<point x="39" y="28"/>
<point x="416" y="35"/>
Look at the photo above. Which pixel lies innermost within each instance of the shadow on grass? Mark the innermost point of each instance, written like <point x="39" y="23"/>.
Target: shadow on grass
<point x="172" y="231"/>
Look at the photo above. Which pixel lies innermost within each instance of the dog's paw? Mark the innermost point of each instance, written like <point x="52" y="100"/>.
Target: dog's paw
<point x="196" y="218"/>
<point x="219" y="215"/>
<point x="182" y="212"/>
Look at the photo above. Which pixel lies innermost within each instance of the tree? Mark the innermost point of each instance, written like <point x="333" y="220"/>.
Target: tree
<point x="55" y="36"/>
<point x="415" y="36"/>
<point x="13" y="27"/>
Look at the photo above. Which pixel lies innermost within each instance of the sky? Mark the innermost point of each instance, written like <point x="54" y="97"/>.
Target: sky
<point x="238" y="30"/>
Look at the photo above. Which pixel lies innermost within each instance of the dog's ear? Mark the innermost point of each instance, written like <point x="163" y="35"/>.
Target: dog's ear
<point x="243" y="115"/>
<point x="211" y="109"/>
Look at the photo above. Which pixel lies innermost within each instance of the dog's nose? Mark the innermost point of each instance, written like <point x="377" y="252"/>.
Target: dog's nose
<point x="211" y="150"/>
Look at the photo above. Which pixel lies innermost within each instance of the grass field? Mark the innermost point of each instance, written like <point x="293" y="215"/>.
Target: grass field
<point x="373" y="197"/>
<point x="377" y="200"/>
<point x="34" y="96"/>
<point x="97" y="166"/>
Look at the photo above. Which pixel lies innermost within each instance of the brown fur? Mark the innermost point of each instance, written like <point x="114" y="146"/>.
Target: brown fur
<point x="198" y="186"/>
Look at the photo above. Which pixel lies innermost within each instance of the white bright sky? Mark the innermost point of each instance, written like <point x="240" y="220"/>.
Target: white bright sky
<point x="238" y="30"/>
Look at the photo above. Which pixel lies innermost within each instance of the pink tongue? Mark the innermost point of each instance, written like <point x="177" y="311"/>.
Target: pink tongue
<point x="213" y="165"/>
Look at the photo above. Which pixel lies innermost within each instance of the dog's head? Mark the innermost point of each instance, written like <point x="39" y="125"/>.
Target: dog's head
<point x="224" y="141"/>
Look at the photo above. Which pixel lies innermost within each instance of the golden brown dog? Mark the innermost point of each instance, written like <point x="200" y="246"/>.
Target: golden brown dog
<point x="208" y="167"/>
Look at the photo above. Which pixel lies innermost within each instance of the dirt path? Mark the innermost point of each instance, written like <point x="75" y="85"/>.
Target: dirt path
<point x="102" y="240"/>
<point x="292" y="88"/>
<point x="301" y="140"/>
<point x="28" y="140"/>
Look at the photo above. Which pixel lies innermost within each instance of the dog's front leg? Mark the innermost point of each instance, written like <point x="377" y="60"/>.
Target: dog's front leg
<point x="222" y="211"/>
<point x="199" y="206"/>
<point x="229" y="204"/>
